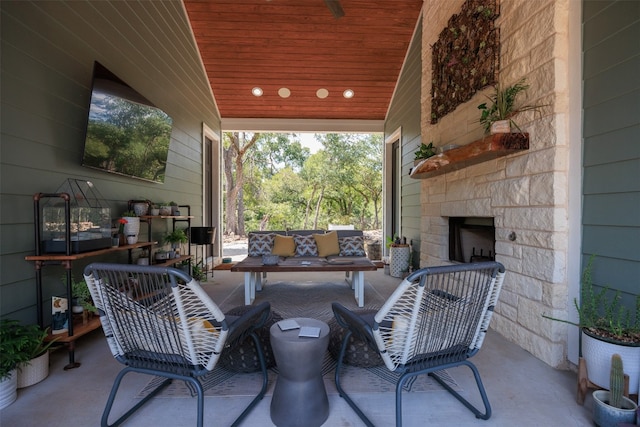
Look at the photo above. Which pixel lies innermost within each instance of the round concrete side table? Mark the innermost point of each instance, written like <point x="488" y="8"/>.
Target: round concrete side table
<point x="299" y="398"/>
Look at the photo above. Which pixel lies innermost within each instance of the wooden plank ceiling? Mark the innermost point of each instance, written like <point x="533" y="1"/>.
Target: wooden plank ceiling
<point x="301" y="46"/>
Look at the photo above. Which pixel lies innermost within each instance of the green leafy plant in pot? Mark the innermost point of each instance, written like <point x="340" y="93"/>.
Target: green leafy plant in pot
<point x="176" y="237"/>
<point x="36" y="348"/>
<point x="425" y="151"/>
<point x="607" y="328"/>
<point x="81" y="296"/>
<point x="502" y="107"/>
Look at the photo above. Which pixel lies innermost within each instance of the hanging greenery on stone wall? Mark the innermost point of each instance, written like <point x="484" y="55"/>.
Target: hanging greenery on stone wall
<point x="465" y="57"/>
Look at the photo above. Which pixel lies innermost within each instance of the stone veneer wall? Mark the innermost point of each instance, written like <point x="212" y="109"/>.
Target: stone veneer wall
<point x="526" y="193"/>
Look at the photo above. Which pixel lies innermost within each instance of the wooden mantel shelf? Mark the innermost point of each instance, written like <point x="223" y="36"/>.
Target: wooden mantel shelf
<point x="488" y="148"/>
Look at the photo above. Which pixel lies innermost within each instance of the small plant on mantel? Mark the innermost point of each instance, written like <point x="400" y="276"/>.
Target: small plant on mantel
<point x="425" y="151"/>
<point x="503" y="107"/>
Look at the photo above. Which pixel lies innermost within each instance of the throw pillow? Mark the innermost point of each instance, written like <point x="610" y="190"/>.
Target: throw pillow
<point x="284" y="246"/>
<point x="260" y="244"/>
<point x="352" y="246"/>
<point x="305" y="245"/>
<point x="327" y="244"/>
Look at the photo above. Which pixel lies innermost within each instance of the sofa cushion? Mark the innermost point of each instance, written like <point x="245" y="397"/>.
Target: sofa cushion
<point x="352" y="246"/>
<point x="305" y="245"/>
<point x="283" y="246"/>
<point x="327" y="244"/>
<point x="260" y="244"/>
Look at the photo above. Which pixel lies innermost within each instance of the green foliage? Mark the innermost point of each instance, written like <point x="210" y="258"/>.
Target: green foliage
<point x="601" y="312"/>
<point x="287" y="187"/>
<point x="19" y="344"/>
<point x="128" y="214"/>
<point x="503" y="105"/>
<point x="176" y="236"/>
<point x="616" y="381"/>
<point x="197" y="272"/>
<point x="425" y="151"/>
<point x="80" y="292"/>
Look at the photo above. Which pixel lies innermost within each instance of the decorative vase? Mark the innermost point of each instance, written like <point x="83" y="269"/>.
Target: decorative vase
<point x="34" y="371"/>
<point x="165" y="210"/>
<point x="115" y="241"/>
<point x="132" y="239"/>
<point x="399" y="257"/>
<point x="597" y="355"/>
<point x="141" y="208"/>
<point x="9" y="389"/>
<point x="132" y="227"/>
<point x="155" y="211"/>
<point x="605" y="415"/>
<point x="121" y="240"/>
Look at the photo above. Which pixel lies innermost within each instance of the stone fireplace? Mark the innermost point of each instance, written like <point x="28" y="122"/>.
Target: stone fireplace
<point x="525" y="193"/>
<point x="471" y="239"/>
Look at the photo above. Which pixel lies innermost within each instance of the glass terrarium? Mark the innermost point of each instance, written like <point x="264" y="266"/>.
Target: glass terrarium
<point x="89" y="219"/>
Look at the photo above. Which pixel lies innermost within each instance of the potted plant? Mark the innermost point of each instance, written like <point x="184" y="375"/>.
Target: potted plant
<point x="36" y="348"/>
<point x="611" y="408"/>
<point x="164" y="209"/>
<point x="399" y="256"/>
<point x="424" y="152"/>
<point x="497" y="117"/>
<point x="174" y="208"/>
<point x="607" y="328"/>
<point x="154" y="209"/>
<point x="197" y="272"/>
<point x="12" y="349"/>
<point x="132" y="226"/>
<point x="81" y="297"/>
<point x="176" y="237"/>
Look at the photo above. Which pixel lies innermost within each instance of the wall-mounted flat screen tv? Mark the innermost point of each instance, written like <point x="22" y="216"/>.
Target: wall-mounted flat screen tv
<point x="126" y="134"/>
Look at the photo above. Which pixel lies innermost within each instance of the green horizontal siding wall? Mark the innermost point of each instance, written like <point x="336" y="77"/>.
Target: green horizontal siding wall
<point x="404" y="113"/>
<point x="611" y="156"/>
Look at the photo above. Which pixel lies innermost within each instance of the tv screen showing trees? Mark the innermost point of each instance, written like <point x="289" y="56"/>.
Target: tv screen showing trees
<point x="126" y="134"/>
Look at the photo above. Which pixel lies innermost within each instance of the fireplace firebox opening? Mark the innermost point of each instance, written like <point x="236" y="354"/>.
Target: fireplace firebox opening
<point x="472" y="239"/>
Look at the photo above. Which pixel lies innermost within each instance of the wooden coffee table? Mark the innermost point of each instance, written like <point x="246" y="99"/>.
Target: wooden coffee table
<point x="254" y="270"/>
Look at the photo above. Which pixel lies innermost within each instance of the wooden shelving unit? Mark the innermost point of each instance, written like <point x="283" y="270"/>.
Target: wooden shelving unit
<point x="491" y="147"/>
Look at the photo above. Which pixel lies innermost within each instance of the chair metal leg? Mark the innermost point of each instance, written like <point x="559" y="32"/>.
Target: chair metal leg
<point x="114" y="391"/>
<point x="483" y="394"/>
<point x="343" y="394"/>
<point x="265" y="380"/>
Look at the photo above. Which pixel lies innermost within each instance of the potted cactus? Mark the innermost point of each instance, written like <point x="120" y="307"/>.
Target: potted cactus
<point x="610" y="408"/>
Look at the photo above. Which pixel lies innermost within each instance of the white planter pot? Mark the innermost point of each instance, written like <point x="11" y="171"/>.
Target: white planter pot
<point x="9" y="389"/>
<point x="33" y="372"/>
<point x="399" y="257"/>
<point x="501" y="126"/>
<point x="132" y="227"/>
<point x="141" y="209"/>
<point x="608" y="416"/>
<point x="597" y="355"/>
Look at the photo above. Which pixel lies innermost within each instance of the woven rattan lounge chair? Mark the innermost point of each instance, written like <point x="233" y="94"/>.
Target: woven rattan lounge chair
<point x="436" y="319"/>
<point x="158" y="321"/>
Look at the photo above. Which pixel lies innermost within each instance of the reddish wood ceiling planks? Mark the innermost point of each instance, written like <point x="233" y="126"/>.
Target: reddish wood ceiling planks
<point x="298" y="44"/>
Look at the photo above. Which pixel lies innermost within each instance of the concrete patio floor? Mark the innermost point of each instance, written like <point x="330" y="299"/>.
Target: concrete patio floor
<point x="523" y="391"/>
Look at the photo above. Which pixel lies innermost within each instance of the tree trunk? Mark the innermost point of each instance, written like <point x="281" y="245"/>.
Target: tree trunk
<point x="315" y="220"/>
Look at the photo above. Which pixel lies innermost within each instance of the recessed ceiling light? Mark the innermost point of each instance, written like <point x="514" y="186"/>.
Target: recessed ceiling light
<point x="284" y="92"/>
<point x="322" y="93"/>
<point x="348" y="93"/>
<point x="256" y="91"/>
